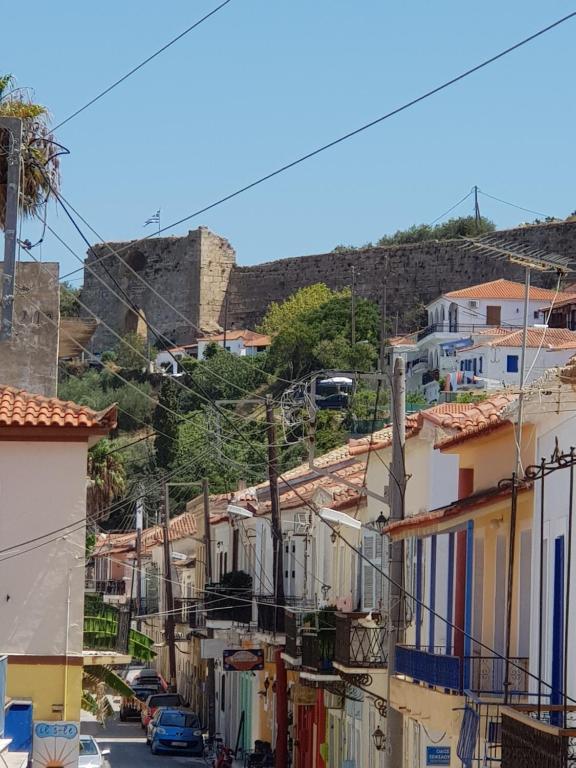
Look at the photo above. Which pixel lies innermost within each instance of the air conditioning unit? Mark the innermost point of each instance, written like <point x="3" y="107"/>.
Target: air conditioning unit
<point x="473" y="303"/>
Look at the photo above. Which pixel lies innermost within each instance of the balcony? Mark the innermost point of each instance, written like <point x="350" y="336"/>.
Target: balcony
<point x="458" y="328"/>
<point x="528" y="741"/>
<point x="149" y="606"/>
<point x="272" y="619"/>
<point x="115" y="587"/>
<point x="227" y="602"/>
<point x="318" y="650"/>
<point x="293" y="626"/>
<point x="482" y="676"/>
<point x="190" y="611"/>
<point x="434" y="668"/>
<point x="359" y="645"/>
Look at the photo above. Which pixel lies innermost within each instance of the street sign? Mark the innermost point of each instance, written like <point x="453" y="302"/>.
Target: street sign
<point x="437" y="755"/>
<point x="245" y="660"/>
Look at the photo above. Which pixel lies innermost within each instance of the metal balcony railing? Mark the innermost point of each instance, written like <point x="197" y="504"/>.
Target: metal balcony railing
<point x="190" y="611"/>
<point x="482" y="676"/>
<point x="149" y="606"/>
<point x="107" y="587"/>
<point x="434" y="668"/>
<point x="318" y="650"/>
<point x="529" y="742"/>
<point x="358" y="643"/>
<point x="463" y="328"/>
<point x="293" y="626"/>
<point x="224" y="603"/>
<point x="271" y="615"/>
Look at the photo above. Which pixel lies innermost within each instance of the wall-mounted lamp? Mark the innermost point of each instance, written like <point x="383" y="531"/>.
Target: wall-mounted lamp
<point x="380" y="524"/>
<point x="264" y="691"/>
<point x="379" y="738"/>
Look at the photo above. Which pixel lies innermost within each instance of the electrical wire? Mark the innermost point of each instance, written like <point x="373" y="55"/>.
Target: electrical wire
<point x="361" y="129"/>
<point x="513" y="205"/>
<point x="442" y="215"/>
<point x="142" y="64"/>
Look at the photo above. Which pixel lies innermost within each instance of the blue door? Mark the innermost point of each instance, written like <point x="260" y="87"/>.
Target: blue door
<point x="18" y="727"/>
<point x="558" y="629"/>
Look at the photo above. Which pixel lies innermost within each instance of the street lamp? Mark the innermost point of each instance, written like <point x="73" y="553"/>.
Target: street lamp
<point x="232" y="509"/>
<point x="335" y="516"/>
<point x="380" y="524"/>
<point x="379" y="739"/>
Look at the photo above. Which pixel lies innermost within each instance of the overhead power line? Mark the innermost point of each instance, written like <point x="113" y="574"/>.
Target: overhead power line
<point x="142" y="64"/>
<point x="351" y="134"/>
<point x="513" y="205"/>
<point x="442" y="215"/>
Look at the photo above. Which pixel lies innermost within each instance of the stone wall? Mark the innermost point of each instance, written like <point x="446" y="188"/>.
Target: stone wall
<point x="177" y="284"/>
<point x="29" y="359"/>
<point x="193" y="273"/>
<point x="413" y="273"/>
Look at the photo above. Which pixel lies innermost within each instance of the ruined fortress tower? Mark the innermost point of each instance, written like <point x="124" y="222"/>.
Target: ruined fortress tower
<point x="182" y="284"/>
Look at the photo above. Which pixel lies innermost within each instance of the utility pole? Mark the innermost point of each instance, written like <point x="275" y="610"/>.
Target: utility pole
<point x="477" y="216"/>
<point x="169" y="608"/>
<point x="211" y="681"/>
<point x="353" y="309"/>
<point x="13" y="127"/>
<point x="383" y="326"/>
<point x="225" y="319"/>
<point x="396" y="602"/>
<point x="139" y="516"/>
<point x="278" y="580"/>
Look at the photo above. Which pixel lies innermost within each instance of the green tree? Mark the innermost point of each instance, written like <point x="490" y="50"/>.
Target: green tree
<point x="69" y="306"/>
<point x="131" y="350"/>
<point x="280" y="315"/>
<point x="107" y="480"/>
<point x="135" y="406"/>
<point x="40" y="176"/>
<point x="166" y="423"/>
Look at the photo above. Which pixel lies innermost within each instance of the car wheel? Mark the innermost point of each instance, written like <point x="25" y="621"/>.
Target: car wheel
<point x="122" y="717"/>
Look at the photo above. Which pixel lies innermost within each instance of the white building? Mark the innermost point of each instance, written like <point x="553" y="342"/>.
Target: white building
<point x="243" y="343"/>
<point x="167" y="360"/>
<point x="461" y="319"/>
<point x="496" y="362"/>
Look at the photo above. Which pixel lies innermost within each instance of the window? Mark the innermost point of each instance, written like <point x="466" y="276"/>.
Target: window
<point x="480" y="359"/>
<point x="512" y="363"/>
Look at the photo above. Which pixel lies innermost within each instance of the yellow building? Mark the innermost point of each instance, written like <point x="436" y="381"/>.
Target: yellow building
<point x="450" y="673"/>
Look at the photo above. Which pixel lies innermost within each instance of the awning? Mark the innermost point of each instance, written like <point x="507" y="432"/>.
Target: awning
<point x="457" y="343"/>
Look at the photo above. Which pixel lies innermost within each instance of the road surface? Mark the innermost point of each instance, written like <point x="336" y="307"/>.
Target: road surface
<point x="128" y="748"/>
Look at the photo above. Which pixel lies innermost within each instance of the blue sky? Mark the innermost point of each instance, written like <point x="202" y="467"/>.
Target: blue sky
<point x="265" y="81"/>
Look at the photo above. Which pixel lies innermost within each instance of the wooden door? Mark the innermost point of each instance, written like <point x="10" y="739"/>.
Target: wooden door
<point x="493" y="315"/>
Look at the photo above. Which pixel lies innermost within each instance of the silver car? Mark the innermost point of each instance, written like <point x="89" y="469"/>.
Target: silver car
<point x="91" y="756"/>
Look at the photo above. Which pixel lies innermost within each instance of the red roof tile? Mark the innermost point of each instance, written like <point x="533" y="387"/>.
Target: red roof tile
<point x="22" y="409"/>
<point x="475" y="419"/>
<point x="549" y="338"/>
<point x="500" y="289"/>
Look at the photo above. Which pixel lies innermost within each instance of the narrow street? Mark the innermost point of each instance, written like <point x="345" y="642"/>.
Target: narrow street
<point x="128" y="748"/>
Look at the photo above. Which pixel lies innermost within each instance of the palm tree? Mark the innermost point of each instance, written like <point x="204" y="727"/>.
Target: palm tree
<point x="40" y="166"/>
<point x="107" y="480"/>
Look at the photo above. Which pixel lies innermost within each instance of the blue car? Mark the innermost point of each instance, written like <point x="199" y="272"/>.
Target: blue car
<point x="175" y="730"/>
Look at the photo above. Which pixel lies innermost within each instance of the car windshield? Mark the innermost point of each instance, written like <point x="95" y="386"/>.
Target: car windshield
<point x="88" y="747"/>
<point x="143" y="693"/>
<point x="179" y="720"/>
<point x="165" y="700"/>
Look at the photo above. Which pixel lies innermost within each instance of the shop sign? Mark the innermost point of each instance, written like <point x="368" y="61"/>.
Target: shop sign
<point x="244" y="660"/>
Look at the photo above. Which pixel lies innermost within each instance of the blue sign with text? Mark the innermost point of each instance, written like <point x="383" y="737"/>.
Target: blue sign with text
<point x="437" y="755"/>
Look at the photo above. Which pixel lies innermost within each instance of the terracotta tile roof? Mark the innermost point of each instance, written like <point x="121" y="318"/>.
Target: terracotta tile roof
<point x="250" y="338"/>
<point x="22" y="409"/>
<point x="500" y="289"/>
<point x="180" y="527"/>
<point x="425" y="523"/>
<point x="563" y="300"/>
<point x="476" y="418"/>
<point x="549" y="338"/>
<point x="383" y="437"/>
<point x="403" y="341"/>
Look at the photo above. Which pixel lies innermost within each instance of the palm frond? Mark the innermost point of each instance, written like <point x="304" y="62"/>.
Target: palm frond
<point x="89" y="703"/>
<point x="102" y="674"/>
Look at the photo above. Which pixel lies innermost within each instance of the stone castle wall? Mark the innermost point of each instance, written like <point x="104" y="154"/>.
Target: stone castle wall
<point x="413" y="273"/>
<point x="193" y="274"/>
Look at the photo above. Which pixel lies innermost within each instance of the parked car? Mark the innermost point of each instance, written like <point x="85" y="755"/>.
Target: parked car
<point x="131" y="706"/>
<point x="91" y="756"/>
<point x="149" y="677"/>
<point x="158" y="700"/>
<point x="175" y="730"/>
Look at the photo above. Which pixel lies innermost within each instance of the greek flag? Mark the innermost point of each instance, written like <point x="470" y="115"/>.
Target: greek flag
<point x="154" y="219"/>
